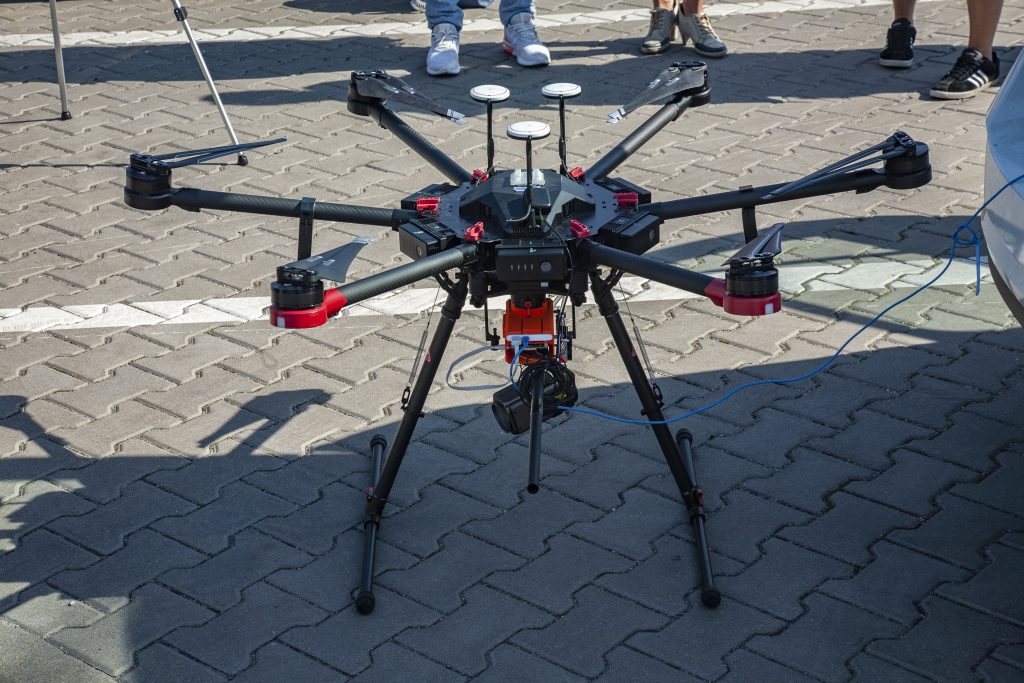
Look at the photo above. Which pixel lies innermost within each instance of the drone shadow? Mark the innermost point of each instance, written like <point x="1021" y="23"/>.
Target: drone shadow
<point x="303" y="506"/>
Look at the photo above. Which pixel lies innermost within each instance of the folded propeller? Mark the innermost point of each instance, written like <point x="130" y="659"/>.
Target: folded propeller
<point x="331" y="265"/>
<point x="152" y="162"/>
<point x="677" y="79"/>
<point x="380" y="85"/>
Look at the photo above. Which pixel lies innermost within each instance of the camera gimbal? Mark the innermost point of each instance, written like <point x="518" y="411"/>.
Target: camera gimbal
<point x="531" y="235"/>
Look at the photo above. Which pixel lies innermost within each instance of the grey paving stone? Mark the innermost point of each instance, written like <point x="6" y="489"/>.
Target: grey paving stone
<point x="986" y="437"/>
<point x="302" y="480"/>
<point x="202" y="480"/>
<point x="999" y="488"/>
<point x="40" y="554"/>
<point x="329" y="580"/>
<point x="211" y="527"/>
<point x="422" y="466"/>
<point x="219" y="581"/>
<point x="768" y="441"/>
<point x="739" y="528"/>
<point x="110" y="644"/>
<point x="663" y="581"/>
<point x="710" y="636"/>
<point x="948" y="642"/>
<point x="894" y="582"/>
<point x="108" y="583"/>
<point x="39" y="503"/>
<point x="393" y="662"/>
<point x="717" y="473"/>
<point x="159" y="662"/>
<point x="871" y="439"/>
<point x="824" y="638"/>
<point x="869" y="668"/>
<point x="808" y="480"/>
<point x="36" y="460"/>
<point x="994" y="670"/>
<point x="509" y="663"/>
<point x="104" y="479"/>
<point x="277" y="662"/>
<point x="392" y="615"/>
<point x="912" y="483"/>
<point x="988" y="591"/>
<point x="624" y="663"/>
<point x="440" y="580"/>
<point x="551" y="580"/>
<point x="958" y="532"/>
<point x="27" y="657"/>
<point x="848" y="528"/>
<point x="461" y="639"/>
<point x="747" y="666"/>
<point x="632" y="528"/>
<point x="778" y="581"/>
<point x="600" y="620"/>
<point x="227" y="641"/>
<point x="45" y="610"/>
<point x="934" y="400"/>
<point x="502" y="482"/>
<point x="314" y="527"/>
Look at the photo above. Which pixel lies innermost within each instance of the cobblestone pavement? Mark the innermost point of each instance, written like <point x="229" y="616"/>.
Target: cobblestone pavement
<point x="181" y="493"/>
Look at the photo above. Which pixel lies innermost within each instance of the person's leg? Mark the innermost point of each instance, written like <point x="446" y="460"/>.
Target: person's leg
<point x="444" y="12"/>
<point x="521" y="39"/>
<point x="978" y="65"/>
<point x="695" y="25"/>
<point x="662" y="28"/>
<point x="899" y="40"/>
<point x="444" y="17"/>
<point x="984" y="19"/>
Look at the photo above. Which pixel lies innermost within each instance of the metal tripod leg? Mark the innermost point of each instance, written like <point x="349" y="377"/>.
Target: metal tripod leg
<point x="377" y="496"/>
<point x="58" y="54"/>
<point x="678" y="457"/>
<point x="181" y="14"/>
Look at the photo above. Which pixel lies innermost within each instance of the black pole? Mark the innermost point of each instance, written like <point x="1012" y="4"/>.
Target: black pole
<point x="375" y="502"/>
<point x="690" y="493"/>
<point x="419" y="144"/>
<point x="860" y="181"/>
<point x="622" y="151"/>
<point x="490" y="137"/>
<point x="536" y="422"/>
<point x="667" y="274"/>
<point x="562" y="150"/>
<point x="528" y="196"/>
<point x="709" y="595"/>
<point x="194" y="199"/>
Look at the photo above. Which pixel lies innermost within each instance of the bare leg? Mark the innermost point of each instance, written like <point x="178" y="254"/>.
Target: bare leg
<point x="691" y="7"/>
<point x="984" y="19"/>
<point x="904" y="9"/>
<point x="664" y="4"/>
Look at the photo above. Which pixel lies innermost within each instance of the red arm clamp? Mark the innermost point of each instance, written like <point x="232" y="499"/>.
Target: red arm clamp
<point x="304" y="318"/>
<point x="742" y="305"/>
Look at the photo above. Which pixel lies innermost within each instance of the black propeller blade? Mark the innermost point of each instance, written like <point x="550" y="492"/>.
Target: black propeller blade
<point x="897" y="144"/>
<point x="679" y="77"/>
<point x="381" y="85"/>
<point x="197" y="156"/>
<point x="333" y="264"/>
<point x="765" y="246"/>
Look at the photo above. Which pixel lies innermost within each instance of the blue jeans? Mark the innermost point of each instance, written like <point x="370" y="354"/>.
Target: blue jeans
<point x="449" y="11"/>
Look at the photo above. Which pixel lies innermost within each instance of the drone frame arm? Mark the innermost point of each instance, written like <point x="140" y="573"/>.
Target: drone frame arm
<point x="195" y="199"/>
<point x="644" y="132"/>
<point x="389" y="120"/>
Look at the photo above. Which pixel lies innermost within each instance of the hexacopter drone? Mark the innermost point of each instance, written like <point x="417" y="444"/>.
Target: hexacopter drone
<point x="530" y="235"/>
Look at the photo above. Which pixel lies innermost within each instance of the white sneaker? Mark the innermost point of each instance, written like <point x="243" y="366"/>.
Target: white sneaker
<point x="521" y="40"/>
<point x="418" y="5"/>
<point x="443" y="57"/>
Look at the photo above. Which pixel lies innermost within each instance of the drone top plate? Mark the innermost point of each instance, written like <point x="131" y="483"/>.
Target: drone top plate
<point x="529" y="130"/>
<point x="489" y="93"/>
<point x="557" y="91"/>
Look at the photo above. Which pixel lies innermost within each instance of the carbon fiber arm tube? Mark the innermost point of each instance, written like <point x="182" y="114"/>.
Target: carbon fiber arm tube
<point x="673" y="276"/>
<point x="191" y="198"/>
<point x="860" y="181"/>
<point x="407" y="274"/>
<point x="625" y="149"/>
<point x="419" y="144"/>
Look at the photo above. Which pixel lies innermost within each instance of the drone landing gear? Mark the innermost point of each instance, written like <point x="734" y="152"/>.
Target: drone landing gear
<point x="678" y="453"/>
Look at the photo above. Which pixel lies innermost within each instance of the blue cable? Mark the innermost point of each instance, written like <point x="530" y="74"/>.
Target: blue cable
<point x="974" y="240"/>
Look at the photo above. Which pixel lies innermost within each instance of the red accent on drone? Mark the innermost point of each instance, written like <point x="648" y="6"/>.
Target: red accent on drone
<point x="303" y="318"/>
<point x="475" y="231"/>
<point x="579" y="230"/>
<point x="428" y="203"/>
<point x="742" y="305"/>
<point x="627" y="199"/>
<point x="478" y="176"/>
<point x="528" y="321"/>
<point x="577" y="173"/>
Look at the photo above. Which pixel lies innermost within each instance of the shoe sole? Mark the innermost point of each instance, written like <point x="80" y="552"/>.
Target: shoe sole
<point x="945" y="95"/>
<point x="657" y="49"/>
<point x="713" y="55"/>
<point x="896" y="63"/>
<point x="446" y="72"/>
<point x="510" y="52"/>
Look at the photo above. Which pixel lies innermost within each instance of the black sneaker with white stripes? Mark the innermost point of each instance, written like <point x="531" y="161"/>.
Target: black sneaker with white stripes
<point x="971" y="74"/>
<point x="899" y="45"/>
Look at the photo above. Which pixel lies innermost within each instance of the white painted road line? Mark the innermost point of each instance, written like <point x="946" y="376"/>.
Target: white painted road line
<point x="793" y="280"/>
<point x="398" y="28"/>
